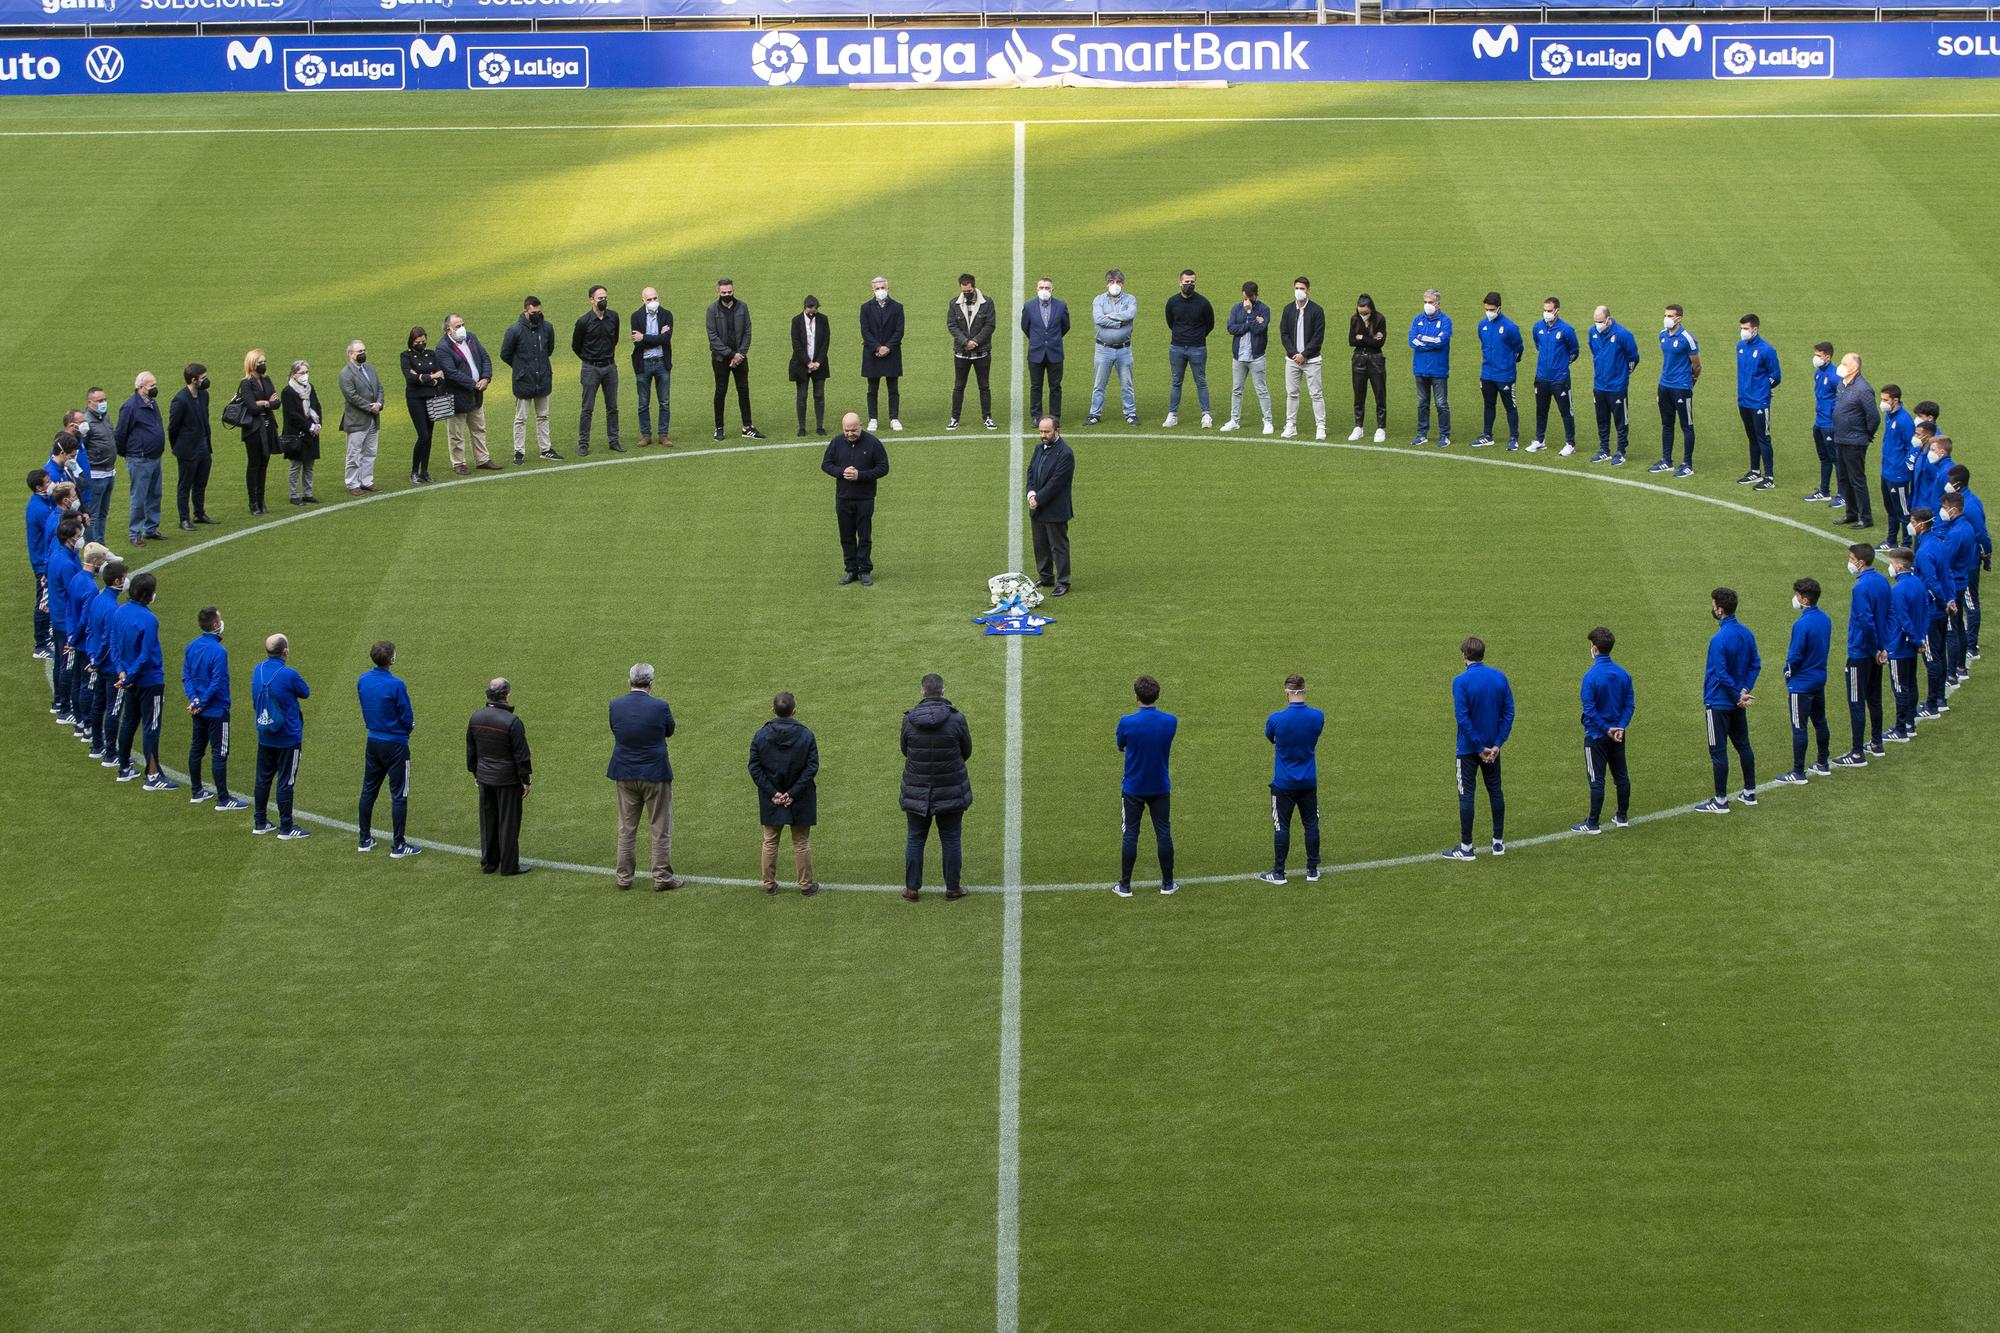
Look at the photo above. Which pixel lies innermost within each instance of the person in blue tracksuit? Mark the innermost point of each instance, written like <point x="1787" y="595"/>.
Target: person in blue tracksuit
<point x="1680" y="367"/>
<point x="82" y="592"/>
<point x="1294" y="732"/>
<point x="1482" y="702"/>
<point x="1727" y="683"/>
<point x="1556" y="351"/>
<point x="205" y="684"/>
<point x="1500" y="351"/>
<point x="1146" y="736"/>
<point x="1961" y="546"/>
<point x="37" y="514"/>
<point x="61" y="566"/>
<point x="1826" y="387"/>
<point x="142" y="677"/>
<point x="1430" y="363"/>
<point x="104" y="716"/>
<point x="1910" y="604"/>
<point x="1608" y="704"/>
<point x="1930" y="467"/>
<point x="1899" y="434"/>
<point x="389" y="719"/>
<point x="1958" y="481"/>
<point x="1757" y="374"/>
<point x="275" y="692"/>
<point x="1870" y="623"/>
<point x="1805" y="678"/>
<point x="1933" y="566"/>
<point x="1614" y="355"/>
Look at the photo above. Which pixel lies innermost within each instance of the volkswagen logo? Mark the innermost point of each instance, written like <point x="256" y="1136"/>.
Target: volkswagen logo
<point x="104" y="64"/>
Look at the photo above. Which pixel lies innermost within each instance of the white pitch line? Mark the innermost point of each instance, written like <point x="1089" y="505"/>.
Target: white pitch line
<point x="697" y="125"/>
<point x="1007" y="1230"/>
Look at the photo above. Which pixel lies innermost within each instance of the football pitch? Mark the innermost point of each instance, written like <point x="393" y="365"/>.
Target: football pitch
<point x="1696" y="1074"/>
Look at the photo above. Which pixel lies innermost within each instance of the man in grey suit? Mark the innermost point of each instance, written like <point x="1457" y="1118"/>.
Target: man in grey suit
<point x="360" y="417"/>
<point x="640" y="725"/>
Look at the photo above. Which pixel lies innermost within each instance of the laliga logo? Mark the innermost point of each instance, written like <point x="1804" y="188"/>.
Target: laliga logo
<point x="104" y="64"/>
<point x="1666" y="44"/>
<point x="250" y="56"/>
<point x="1738" y="58"/>
<point x="309" y="71"/>
<point x="1014" y="60"/>
<point x="1556" y="59"/>
<point x="431" y="56"/>
<point x="778" y="58"/>
<point x="1486" y="46"/>
<point x="493" y="68"/>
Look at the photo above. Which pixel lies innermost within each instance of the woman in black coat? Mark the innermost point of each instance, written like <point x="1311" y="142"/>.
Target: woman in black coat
<point x="300" y="437"/>
<point x="810" y="368"/>
<point x="421" y="378"/>
<point x="259" y="399"/>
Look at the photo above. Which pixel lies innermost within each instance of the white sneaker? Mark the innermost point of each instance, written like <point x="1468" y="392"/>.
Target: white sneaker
<point x="1354" y="435"/>
<point x="894" y="424"/>
<point x="1290" y="432"/>
<point x="1269" y="429"/>
<point x="871" y="423"/>
<point x="1566" y="451"/>
<point x="1231" y="424"/>
<point x="1380" y="435"/>
<point x="1536" y="446"/>
<point x="1320" y="434"/>
<point x="1173" y="419"/>
<point x="1207" y="421"/>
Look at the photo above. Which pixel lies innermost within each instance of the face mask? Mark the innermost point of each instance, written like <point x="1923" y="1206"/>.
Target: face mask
<point x="1602" y="326"/>
<point x="1746" y="334"/>
<point x="417" y="346"/>
<point x="729" y="299"/>
<point x="1667" y="322"/>
<point x="99" y="409"/>
<point x="72" y="506"/>
<point x="201" y="383"/>
<point x="881" y="293"/>
<point x="600" y="303"/>
<point x="1187" y="289"/>
<point x="260" y="370"/>
<point x="458" y="335"/>
<point x="153" y="392"/>
<point x="1548" y="317"/>
<point x="534" y="318"/>
<point x="218" y="629"/>
<point x="652" y="307"/>
<point x="1934" y="455"/>
<point x="304" y="377"/>
<point x="1115" y="288"/>
<point x="361" y="358"/>
<point x="1044" y="292"/>
<point x="1819" y="361"/>
<point x="1299" y="294"/>
<point x="1430" y="307"/>
<point x="1950" y="489"/>
<point x="1797" y="605"/>
<point x="1492" y="314"/>
<point x="1887" y="406"/>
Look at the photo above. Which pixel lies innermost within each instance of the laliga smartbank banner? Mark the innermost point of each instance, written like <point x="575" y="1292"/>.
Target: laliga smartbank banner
<point x="782" y="59"/>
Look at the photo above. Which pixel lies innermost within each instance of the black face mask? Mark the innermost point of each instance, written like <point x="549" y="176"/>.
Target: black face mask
<point x="1187" y="289"/>
<point x="153" y="392"/>
<point x="417" y="346"/>
<point x="360" y="358"/>
<point x="534" y="318"/>
<point x="729" y="300"/>
<point x="201" y="384"/>
<point x="601" y="303"/>
<point x="260" y="367"/>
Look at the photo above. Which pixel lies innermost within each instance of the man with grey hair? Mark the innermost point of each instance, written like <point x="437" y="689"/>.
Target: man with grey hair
<point x="1113" y="311"/>
<point x="1856" y="417"/>
<point x="360" y="417"/>
<point x="141" y="440"/>
<point x="1430" y="364"/>
<point x="882" y="351"/>
<point x="640" y="725"/>
<point x="497" y="756"/>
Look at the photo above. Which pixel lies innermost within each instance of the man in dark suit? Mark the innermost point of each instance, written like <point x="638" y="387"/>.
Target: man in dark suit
<point x="784" y="760"/>
<point x="1049" y="510"/>
<point x="855" y="460"/>
<point x="1045" y="320"/>
<point x="810" y="331"/>
<point x="640" y="725"/>
<point x="467" y="371"/>
<point x="653" y="363"/>
<point x="882" y="352"/>
<point x="188" y="437"/>
<point x="496" y="754"/>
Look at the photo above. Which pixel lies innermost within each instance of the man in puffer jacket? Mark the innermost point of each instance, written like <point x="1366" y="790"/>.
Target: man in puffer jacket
<point x="937" y="740"/>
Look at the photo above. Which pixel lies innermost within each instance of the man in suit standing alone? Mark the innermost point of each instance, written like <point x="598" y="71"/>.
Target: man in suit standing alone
<point x="360" y="417"/>
<point x="1049" y="510"/>
<point x="882" y="352"/>
<point x="810" y="331"/>
<point x="1045" y="320"/>
<point x="855" y="460"/>
<point x="640" y="725"/>
<point x="497" y="756"/>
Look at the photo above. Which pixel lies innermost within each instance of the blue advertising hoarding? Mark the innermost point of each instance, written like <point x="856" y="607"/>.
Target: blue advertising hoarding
<point x="131" y="13"/>
<point x="1025" y="56"/>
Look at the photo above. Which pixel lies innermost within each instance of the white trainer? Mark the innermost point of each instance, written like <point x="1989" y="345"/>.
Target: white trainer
<point x="1232" y="424"/>
<point x="1269" y="429"/>
<point x="1290" y="432"/>
<point x="1380" y="435"/>
<point x="895" y="424"/>
<point x="1320" y="434"/>
<point x="1566" y="451"/>
<point x="1207" y="421"/>
<point x="1173" y="419"/>
<point x="871" y="423"/>
<point x="1354" y="435"/>
<point x="1536" y="446"/>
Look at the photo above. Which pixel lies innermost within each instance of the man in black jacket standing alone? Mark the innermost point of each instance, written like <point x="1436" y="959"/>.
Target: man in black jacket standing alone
<point x="855" y="460"/>
<point x="496" y="754"/>
<point x="595" y="342"/>
<point x="937" y="741"/>
<point x="784" y="760"/>
<point x="1049" y="507"/>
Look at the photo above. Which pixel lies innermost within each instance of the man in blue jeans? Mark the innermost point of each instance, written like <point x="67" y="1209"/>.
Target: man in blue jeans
<point x="1430" y="363"/>
<point x="1294" y="732"/>
<point x="1190" y="319"/>
<point x="1147" y="738"/>
<point x="141" y="440"/>
<point x="653" y="364"/>
<point x="1483" y="703"/>
<point x="100" y="458"/>
<point x="1114" y="311"/>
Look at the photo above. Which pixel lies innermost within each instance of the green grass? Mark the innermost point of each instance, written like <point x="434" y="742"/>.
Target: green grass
<point x="1705" y="1074"/>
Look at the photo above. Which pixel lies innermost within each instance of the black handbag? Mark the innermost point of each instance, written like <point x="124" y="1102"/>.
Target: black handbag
<point x="237" y="413"/>
<point x="291" y="445"/>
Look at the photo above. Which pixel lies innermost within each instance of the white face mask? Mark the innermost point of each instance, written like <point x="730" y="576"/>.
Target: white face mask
<point x="1493" y="314"/>
<point x="1950" y="489"/>
<point x="1115" y="288"/>
<point x="219" y="626"/>
<point x="1044" y="293"/>
<point x="1818" y="360"/>
<point x="458" y="335"/>
<point x="1548" y="317"/>
<point x="1797" y="605"/>
<point x="1934" y="455"/>
<point x="1667" y="322"/>
<point x="1299" y="295"/>
<point x="1746" y="334"/>
<point x="881" y="293"/>
<point x="1602" y="325"/>
<point x="303" y="377"/>
<point x="1430" y="307"/>
<point x="1887" y="406"/>
<point x="652" y="307"/>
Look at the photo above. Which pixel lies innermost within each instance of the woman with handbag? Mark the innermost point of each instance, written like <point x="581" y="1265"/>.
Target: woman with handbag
<point x="424" y="395"/>
<point x="300" y="439"/>
<point x="254" y="409"/>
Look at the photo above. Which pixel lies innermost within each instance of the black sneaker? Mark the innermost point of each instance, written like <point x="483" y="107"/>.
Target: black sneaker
<point x="752" y="433"/>
<point x="990" y="425"/>
<point x="952" y="424"/>
<point x="404" y="849"/>
<point x="718" y="434"/>
<point x="1749" y="479"/>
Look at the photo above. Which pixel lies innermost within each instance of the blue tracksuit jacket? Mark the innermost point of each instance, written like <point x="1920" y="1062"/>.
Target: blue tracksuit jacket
<point x="275" y="691"/>
<point x="1757" y="372"/>
<point x="1899" y="433"/>
<point x="205" y="675"/>
<point x="1483" y="703"/>
<point x="1430" y="345"/>
<point x="1733" y="664"/>
<point x="1607" y="698"/>
<point x="1912" y="604"/>
<point x="1293" y="732"/>
<point x="1677" y="352"/>
<point x="1870" y="617"/>
<point x="1826" y="387"/>
<point x="1614" y="355"/>
<point x="1147" y="737"/>
<point x="135" y="646"/>
<point x="1499" y="349"/>
<point x="1805" y="659"/>
<point x="385" y="705"/>
<point x="1555" y="351"/>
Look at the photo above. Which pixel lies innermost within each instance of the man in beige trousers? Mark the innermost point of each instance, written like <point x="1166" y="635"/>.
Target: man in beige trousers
<point x="784" y="761"/>
<point x="640" y="725"/>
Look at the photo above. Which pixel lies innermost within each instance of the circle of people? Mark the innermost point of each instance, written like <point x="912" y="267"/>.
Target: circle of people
<point x="93" y="619"/>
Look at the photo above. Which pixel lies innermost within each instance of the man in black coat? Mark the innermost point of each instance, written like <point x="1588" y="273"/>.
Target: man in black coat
<point x="526" y="348"/>
<point x="970" y="320"/>
<point x="496" y="754"/>
<point x="855" y="460"/>
<point x="882" y="352"/>
<point x="468" y="370"/>
<point x="728" y="326"/>
<point x="936" y="741"/>
<point x="188" y="436"/>
<point x="810" y="331"/>
<point x="640" y="725"/>
<point x="1856" y="418"/>
<point x="1049" y="508"/>
<point x="653" y="364"/>
<point x="784" y="760"/>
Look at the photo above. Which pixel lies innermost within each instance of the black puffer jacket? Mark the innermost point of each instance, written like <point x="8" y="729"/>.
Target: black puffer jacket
<point x="937" y="741"/>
